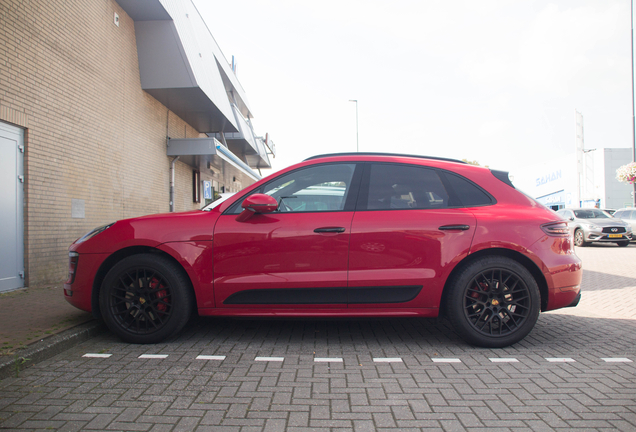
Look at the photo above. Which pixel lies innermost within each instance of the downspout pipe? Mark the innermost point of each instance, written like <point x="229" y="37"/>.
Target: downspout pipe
<point x="174" y="160"/>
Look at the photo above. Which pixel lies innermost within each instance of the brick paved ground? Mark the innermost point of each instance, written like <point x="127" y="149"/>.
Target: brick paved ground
<point x="576" y="370"/>
<point x="46" y="313"/>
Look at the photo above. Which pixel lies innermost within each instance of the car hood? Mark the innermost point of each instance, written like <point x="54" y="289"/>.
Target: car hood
<point x="153" y="230"/>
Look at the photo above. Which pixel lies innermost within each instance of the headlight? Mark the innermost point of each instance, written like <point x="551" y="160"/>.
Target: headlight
<point x="593" y="227"/>
<point x="94" y="232"/>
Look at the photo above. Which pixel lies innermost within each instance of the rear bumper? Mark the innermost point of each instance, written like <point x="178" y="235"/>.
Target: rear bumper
<point x="575" y="301"/>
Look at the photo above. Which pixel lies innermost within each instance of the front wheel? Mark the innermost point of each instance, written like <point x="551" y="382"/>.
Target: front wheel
<point x="145" y="299"/>
<point x="579" y="238"/>
<point x="493" y="302"/>
<point x="623" y="243"/>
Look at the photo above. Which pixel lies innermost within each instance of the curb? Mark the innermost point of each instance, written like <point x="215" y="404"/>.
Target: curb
<point x="50" y="346"/>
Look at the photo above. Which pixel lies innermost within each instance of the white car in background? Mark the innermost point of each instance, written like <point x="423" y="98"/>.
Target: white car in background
<point x="627" y="215"/>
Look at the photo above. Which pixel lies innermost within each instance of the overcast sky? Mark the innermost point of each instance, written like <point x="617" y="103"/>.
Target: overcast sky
<point x="493" y="81"/>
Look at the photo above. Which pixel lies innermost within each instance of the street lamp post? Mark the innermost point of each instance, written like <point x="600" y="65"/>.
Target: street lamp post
<point x="633" y="106"/>
<point x="357" y="137"/>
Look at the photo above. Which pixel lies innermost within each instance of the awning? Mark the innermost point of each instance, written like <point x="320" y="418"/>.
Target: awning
<point x="181" y="65"/>
<point x="189" y="148"/>
<point x="229" y="157"/>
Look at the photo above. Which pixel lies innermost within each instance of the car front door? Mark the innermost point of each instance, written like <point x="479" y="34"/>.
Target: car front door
<point x="296" y="255"/>
<point x="407" y="233"/>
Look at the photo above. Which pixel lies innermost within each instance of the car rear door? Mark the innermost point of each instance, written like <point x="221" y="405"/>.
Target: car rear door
<point x="408" y="232"/>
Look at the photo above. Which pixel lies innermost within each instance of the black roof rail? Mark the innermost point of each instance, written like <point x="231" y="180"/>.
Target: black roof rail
<point x="384" y="154"/>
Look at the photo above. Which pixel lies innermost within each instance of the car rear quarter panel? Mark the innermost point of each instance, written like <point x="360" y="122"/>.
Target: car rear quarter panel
<point x="518" y="228"/>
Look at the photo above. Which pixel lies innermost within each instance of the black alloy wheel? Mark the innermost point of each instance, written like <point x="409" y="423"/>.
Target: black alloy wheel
<point x="494" y="302"/>
<point x="145" y="299"/>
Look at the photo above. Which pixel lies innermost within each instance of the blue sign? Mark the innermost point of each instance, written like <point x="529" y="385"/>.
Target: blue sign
<point x="207" y="190"/>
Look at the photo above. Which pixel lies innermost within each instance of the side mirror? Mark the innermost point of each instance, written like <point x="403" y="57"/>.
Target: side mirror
<point x="257" y="203"/>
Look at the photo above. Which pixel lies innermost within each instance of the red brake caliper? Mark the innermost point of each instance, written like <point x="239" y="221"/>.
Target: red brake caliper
<point x="161" y="294"/>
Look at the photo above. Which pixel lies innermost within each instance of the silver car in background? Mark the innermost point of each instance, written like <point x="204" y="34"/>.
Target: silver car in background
<point x="589" y="225"/>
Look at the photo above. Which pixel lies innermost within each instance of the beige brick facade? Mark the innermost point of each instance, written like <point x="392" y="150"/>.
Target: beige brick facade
<point x="70" y="77"/>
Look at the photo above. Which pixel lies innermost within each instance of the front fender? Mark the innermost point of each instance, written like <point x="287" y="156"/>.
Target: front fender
<point x="196" y="259"/>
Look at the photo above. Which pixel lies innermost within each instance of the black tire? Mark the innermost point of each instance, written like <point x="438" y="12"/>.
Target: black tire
<point x="145" y="299"/>
<point x="623" y="243"/>
<point x="579" y="238"/>
<point x="493" y="302"/>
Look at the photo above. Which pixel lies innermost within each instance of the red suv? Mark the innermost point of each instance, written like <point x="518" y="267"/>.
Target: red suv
<point x="346" y="235"/>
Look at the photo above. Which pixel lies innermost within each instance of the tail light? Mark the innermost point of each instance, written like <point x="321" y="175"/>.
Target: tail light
<point x="556" y="229"/>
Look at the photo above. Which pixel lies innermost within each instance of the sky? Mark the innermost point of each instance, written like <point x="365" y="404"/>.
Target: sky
<point x="492" y="81"/>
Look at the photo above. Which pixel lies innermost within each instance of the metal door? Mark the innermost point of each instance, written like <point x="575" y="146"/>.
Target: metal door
<point x="11" y="207"/>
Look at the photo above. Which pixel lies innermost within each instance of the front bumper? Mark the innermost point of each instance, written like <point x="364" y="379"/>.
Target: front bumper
<point x="79" y="292"/>
<point x="597" y="236"/>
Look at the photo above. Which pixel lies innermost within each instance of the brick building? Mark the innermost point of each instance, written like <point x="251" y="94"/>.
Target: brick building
<point x="102" y="104"/>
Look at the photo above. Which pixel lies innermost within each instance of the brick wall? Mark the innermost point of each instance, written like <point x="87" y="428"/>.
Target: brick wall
<point x="70" y="76"/>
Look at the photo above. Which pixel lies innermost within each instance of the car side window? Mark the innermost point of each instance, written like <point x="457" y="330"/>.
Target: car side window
<point x="393" y="186"/>
<point x="467" y="192"/>
<point x="318" y="188"/>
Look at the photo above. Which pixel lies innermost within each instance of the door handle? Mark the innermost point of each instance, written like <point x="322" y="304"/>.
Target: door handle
<point x="454" y="228"/>
<point x="330" y="230"/>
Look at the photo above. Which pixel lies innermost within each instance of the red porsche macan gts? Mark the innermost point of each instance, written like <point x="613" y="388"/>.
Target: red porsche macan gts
<point x="345" y="235"/>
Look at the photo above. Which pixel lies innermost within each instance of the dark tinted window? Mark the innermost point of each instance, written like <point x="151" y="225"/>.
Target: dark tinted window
<point x="467" y="192"/>
<point x="313" y="189"/>
<point x="591" y="214"/>
<point x="393" y="186"/>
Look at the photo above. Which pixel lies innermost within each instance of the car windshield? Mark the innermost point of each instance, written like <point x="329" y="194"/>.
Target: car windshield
<point x="591" y="214"/>
<point x="222" y="197"/>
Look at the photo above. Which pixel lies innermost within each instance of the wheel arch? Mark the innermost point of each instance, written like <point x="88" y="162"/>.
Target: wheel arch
<point x="534" y="270"/>
<point x="118" y="256"/>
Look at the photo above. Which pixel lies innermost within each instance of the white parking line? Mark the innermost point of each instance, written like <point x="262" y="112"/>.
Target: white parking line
<point x="375" y="359"/>
<point x="210" y="357"/>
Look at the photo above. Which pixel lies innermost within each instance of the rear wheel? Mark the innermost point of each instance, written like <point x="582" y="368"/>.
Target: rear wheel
<point x="579" y="238"/>
<point x="145" y="299"/>
<point x="493" y="302"/>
